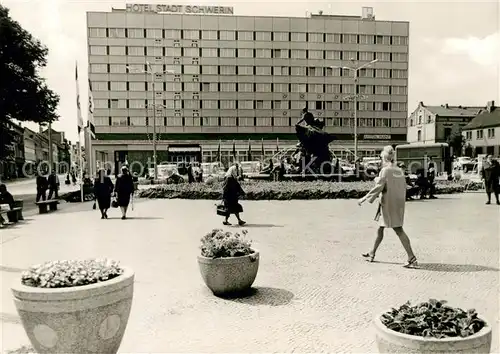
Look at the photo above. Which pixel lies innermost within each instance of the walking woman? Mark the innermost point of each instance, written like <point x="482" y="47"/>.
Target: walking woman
<point x="391" y="184"/>
<point x="491" y="176"/>
<point x="230" y="195"/>
<point x="103" y="189"/>
<point x="124" y="189"/>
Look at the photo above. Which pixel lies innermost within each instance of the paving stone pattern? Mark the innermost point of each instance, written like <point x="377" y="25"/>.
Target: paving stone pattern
<point x="314" y="293"/>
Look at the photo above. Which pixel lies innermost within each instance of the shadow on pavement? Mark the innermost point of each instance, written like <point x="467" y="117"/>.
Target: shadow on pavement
<point x="136" y="218"/>
<point x="257" y="225"/>
<point x="259" y="296"/>
<point x="455" y="268"/>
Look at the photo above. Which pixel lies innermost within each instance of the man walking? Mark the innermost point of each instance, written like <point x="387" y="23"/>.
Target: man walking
<point x="431" y="175"/>
<point x="53" y="185"/>
<point x="41" y="187"/>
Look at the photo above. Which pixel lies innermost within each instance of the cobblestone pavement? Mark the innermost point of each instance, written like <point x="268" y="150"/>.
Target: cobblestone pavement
<point x="315" y="293"/>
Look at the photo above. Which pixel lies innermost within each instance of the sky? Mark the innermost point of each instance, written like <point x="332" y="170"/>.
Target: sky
<point x="454" y="45"/>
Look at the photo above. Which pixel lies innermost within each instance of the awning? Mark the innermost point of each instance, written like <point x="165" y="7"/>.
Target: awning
<point x="184" y="148"/>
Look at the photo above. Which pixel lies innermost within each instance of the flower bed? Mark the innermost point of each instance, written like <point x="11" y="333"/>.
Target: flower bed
<point x="263" y="190"/>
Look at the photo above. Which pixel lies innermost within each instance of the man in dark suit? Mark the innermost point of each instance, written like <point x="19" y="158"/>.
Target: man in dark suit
<point x="53" y="182"/>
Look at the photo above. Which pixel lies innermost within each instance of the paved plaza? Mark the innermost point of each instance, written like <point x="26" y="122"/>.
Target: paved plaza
<point x="314" y="292"/>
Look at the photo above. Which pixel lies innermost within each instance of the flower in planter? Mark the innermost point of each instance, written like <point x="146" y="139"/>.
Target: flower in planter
<point x="223" y="244"/>
<point x="433" y="319"/>
<point x="63" y="274"/>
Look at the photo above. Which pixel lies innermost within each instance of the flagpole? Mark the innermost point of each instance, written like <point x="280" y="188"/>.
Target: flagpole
<point x="79" y="128"/>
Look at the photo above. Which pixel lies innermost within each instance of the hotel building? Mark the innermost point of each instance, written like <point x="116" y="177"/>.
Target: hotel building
<point x="240" y="82"/>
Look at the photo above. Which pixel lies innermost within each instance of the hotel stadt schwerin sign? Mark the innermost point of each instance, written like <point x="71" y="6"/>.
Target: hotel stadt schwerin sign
<point x="179" y="9"/>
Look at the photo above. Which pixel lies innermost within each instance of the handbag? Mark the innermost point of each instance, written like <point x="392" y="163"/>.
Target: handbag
<point x="114" y="203"/>
<point x="221" y="210"/>
<point x="94" y="206"/>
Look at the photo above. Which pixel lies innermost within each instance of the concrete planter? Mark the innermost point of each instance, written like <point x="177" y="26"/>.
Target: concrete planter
<point x="389" y="341"/>
<point x="84" y="319"/>
<point x="229" y="275"/>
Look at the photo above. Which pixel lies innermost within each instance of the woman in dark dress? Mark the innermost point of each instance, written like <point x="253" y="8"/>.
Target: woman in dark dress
<point x="103" y="188"/>
<point x="231" y="192"/>
<point x="124" y="189"/>
<point x="491" y="176"/>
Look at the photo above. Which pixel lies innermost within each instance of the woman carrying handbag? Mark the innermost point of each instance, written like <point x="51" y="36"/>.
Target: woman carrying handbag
<point x="230" y="196"/>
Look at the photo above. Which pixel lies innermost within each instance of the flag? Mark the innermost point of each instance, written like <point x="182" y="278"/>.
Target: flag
<point x="218" y="153"/>
<point x="234" y="150"/>
<point x="263" y="153"/>
<point x="79" y="108"/>
<point x="249" y="151"/>
<point x="90" y="117"/>
<point x="277" y="145"/>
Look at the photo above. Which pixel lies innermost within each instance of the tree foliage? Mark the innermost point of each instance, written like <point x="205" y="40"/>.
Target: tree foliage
<point x="24" y="94"/>
<point x="457" y="142"/>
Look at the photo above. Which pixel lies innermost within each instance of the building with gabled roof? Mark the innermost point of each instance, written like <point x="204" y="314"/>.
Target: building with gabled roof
<point x="482" y="134"/>
<point x="436" y="124"/>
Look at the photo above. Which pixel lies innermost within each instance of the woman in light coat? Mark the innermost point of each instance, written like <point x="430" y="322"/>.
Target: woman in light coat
<point x="391" y="184"/>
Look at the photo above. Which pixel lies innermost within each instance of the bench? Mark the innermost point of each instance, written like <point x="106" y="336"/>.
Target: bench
<point x="47" y="205"/>
<point x="19" y="204"/>
<point x="12" y="216"/>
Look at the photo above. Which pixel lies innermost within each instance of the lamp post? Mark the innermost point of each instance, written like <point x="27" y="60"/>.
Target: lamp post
<point x="153" y="74"/>
<point x="355" y="97"/>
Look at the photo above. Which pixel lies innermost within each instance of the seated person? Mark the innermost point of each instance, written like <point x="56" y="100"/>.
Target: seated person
<point x="6" y="197"/>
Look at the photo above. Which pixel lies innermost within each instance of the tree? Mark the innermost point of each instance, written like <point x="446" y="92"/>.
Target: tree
<point x="24" y="95"/>
<point x="457" y="142"/>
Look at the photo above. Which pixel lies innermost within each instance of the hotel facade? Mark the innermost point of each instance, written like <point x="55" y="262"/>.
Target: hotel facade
<point x="240" y="82"/>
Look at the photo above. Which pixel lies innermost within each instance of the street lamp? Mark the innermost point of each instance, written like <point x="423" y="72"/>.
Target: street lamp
<point x="355" y="97"/>
<point x="153" y="76"/>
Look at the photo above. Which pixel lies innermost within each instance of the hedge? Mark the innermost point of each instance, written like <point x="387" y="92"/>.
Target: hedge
<point x="263" y="190"/>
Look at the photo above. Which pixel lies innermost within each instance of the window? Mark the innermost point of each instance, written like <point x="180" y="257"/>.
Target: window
<point x="349" y="55"/>
<point x="315" y="54"/>
<point x="280" y="87"/>
<point x="118" y="68"/>
<point x="227" y="104"/>
<point x="263" y="36"/>
<point x="117" y="32"/>
<point x="100" y="86"/>
<point x="137" y="86"/>
<point x="209" y="52"/>
<point x="419" y="135"/>
<point x="332" y="88"/>
<point x="245" y="87"/>
<point x="209" y="35"/>
<point x="260" y="87"/>
<point x="398" y="123"/>
<point x="299" y="88"/>
<point x="383" y="73"/>
<point x="191" y="86"/>
<point x="98" y="50"/>
<point x="191" y="52"/>
<point x="228" y="87"/>
<point x="315" y="37"/>
<point x="281" y="70"/>
<point x="399" y="74"/>
<point x="399" y="57"/>
<point x="335" y="105"/>
<point x="191" y="104"/>
<point x="316" y="88"/>
<point x="99" y="68"/>
<point x="135" y="33"/>
<point x="154" y="33"/>
<point x="383" y="56"/>
<point x="119" y="121"/>
<point x="332" y="72"/>
<point x="227" y="35"/>
<point x="263" y="70"/>
<point x="117" y="104"/>
<point x="385" y="40"/>
<point x="399" y="40"/>
<point x="399" y="107"/>
<point x="245" y="36"/>
<point x="479" y="134"/>
<point x="260" y="104"/>
<point x="347" y="88"/>
<point x="346" y="105"/>
<point x="101" y="104"/>
<point x="210" y="121"/>
<point x="210" y="104"/>
<point x="136" y="51"/>
<point x="491" y="133"/>
<point x="174" y="52"/>
<point x="365" y="72"/>
<point x="297" y="104"/>
<point x="281" y="121"/>
<point x="245" y="70"/>
<point x="263" y="53"/>
<point x="228" y="70"/>
<point x="365" y="106"/>
<point x="468" y="135"/>
<point x="365" y="89"/>
<point x="155" y="51"/>
<point x="366" y="56"/>
<point x="350" y="38"/>
<point x="136" y="104"/>
<point x="280" y="53"/>
<point x="118" y="86"/>
<point x="173" y="86"/>
<point x="334" y="38"/>
<point x="97" y="32"/>
<point x="366" y="39"/>
<point x="298" y="71"/>
<point x="298" y="37"/>
<point x="173" y="34"/>
<point x="298" y="54"/>
<point x="174" y="121"/>
<point x="101" y="121"/>
<point x="245" y="53"/>
<point x="247" y="104"/>
<point x="191" y="34"/>
<point x="382" y="122"/>
<point x="227" y="53"/>
<point x="280" y="105"/>
<point x="398" y="90"/>
<point x="315" y="71"/>
<point x="382" y="90"/>
<point x="228" y="122"/>
<point x="333" y="54"/>
<point x="281" y="36"/>
<point x="192" y="69"/>
<point x="209" y="70"/>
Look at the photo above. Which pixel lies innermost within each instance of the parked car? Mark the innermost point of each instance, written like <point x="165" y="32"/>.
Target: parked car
<point x="464" y="163"/>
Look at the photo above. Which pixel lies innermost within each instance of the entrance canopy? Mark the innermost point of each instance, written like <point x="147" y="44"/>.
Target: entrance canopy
<point x="184" y="149"/>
